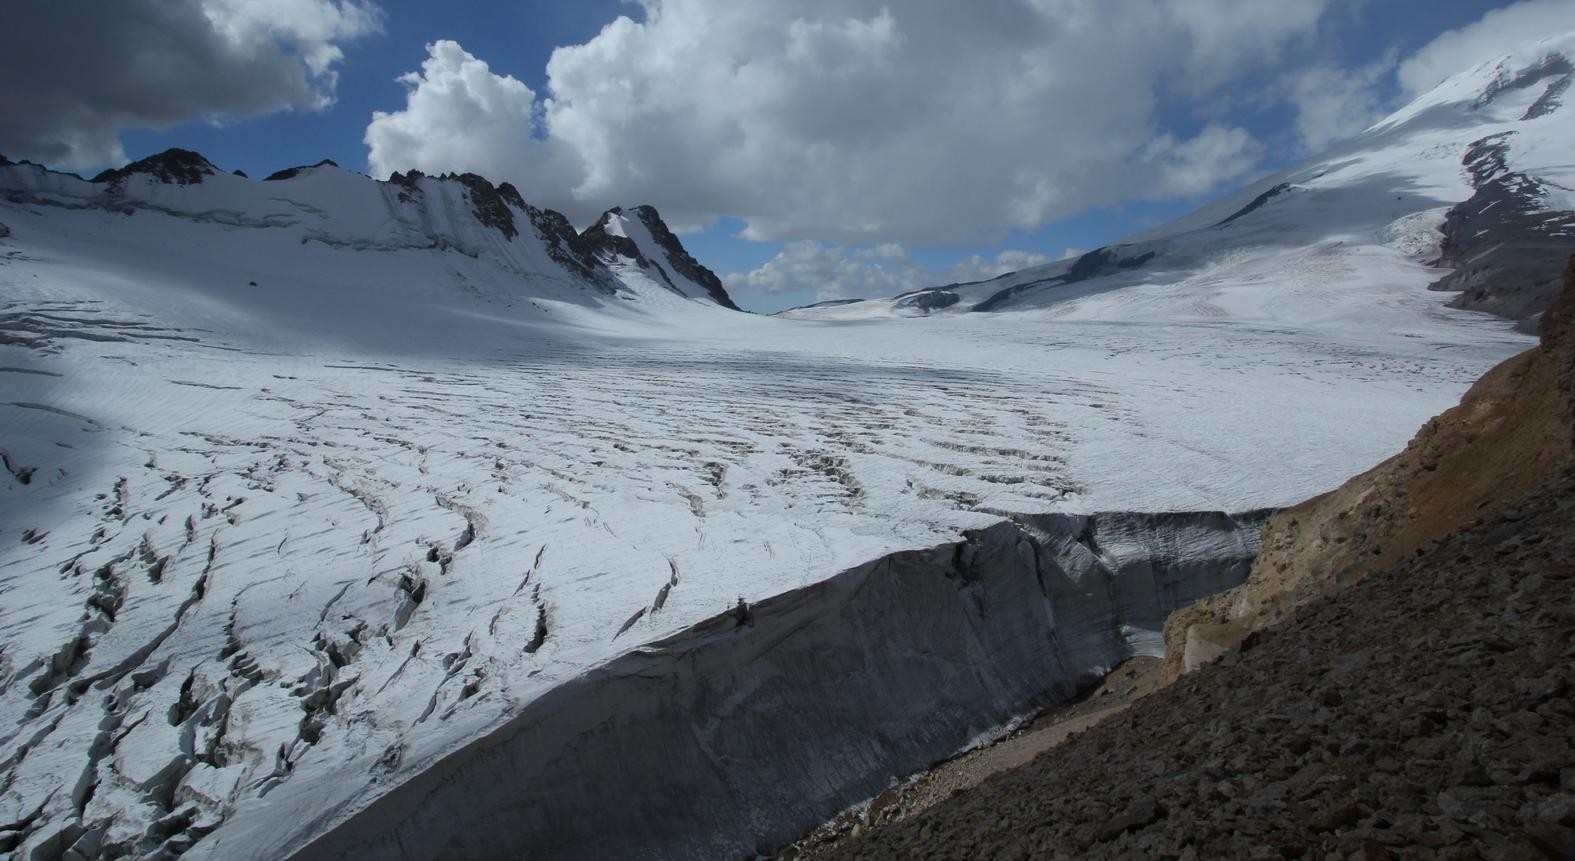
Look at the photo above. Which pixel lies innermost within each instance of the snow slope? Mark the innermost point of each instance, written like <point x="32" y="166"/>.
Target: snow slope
<point x="1285" y="247"/>
<point x="313" y="481"/>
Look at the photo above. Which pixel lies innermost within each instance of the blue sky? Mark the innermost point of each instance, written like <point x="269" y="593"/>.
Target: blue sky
<point x="1242" y="115"/>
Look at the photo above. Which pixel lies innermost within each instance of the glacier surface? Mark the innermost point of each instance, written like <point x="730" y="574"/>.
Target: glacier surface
<point x="313" y="484"/>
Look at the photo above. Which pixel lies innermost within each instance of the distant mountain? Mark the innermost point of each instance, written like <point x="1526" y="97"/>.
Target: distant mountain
<point x="639" y="238"/>
<point x="487" y="234"/>
<point x="1473" y="177"/>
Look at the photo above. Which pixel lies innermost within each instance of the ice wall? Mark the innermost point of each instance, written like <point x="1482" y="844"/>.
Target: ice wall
<point x="745" y="731"/>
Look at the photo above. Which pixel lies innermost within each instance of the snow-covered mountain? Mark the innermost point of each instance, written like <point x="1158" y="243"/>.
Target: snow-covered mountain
<point x="637" y="244"/>
<point x="333" y="507"/>
<point x="1472" y="183"/>
<point x="448" y="231"/>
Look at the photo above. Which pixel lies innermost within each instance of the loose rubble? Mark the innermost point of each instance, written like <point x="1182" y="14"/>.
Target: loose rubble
<point x="1426" y="712"/>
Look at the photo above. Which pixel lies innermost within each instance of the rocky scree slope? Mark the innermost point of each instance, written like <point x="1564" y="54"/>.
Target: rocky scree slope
<point x="1426" y="712"/>
<point x="1511" y="431"/>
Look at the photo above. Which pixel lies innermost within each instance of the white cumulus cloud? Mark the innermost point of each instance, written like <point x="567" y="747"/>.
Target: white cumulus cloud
<point x="1334" y="104"/>
<point x="1497" y="32"/>
<point x="857" y="121"/>
<point x="976" y="267"/>
<point x="461" y="116"/>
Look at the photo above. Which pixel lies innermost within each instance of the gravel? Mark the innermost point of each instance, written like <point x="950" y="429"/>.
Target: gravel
<point x="1426" y="712"/>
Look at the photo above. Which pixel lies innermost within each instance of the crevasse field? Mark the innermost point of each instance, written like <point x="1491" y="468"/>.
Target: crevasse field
<point x="294" y="496"/>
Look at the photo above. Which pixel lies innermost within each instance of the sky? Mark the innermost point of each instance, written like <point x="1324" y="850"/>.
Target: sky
<point x="806" y="150"/>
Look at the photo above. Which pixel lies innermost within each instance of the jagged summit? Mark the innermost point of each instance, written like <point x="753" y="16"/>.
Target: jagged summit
<point x="638" y="237"/>
<point x="291" y="172"/>
<point x="177" y="166"/>
<point x="522" y="250"/>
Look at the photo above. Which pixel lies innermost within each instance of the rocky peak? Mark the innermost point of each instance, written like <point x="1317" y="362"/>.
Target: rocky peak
<point x="172" y="166"/>
<point x="407" y="179"/>
<point x="680" y="259"/>
<point x="605" y="241"/>
<point x="292" y="172"/>
<point x="490" y="203"/>
<point x="602" y="240"/>
<point x="565" y="245"/>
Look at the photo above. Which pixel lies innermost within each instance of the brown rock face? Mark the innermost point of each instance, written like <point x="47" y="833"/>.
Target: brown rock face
<point x="1509" y="435"/>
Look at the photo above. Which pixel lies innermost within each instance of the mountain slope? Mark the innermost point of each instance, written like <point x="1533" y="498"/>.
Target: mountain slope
<point x="456" y="230"/>
<point x="1426" y="712"/>
<point x="1473" y="176"/>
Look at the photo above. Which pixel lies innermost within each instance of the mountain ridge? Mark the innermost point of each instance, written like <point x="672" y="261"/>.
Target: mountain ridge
<point x="1481" y="149"/>
<point x="174" y="181"/>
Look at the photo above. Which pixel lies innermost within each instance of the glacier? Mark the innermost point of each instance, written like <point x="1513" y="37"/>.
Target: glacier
<point x="322" y="491"/>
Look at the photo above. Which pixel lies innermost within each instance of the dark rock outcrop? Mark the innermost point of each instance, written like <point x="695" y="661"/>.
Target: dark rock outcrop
<point x="1096" y="263"/>
<point x="1506" y="248"/>
<point x="676" y="260"/>
<point x="173" y="166"/>
<point x="490" y="204"/>
<point x="679" y="258"/>
<point x="1255" y="204"/>
<point x="928" y="300"/>
<point x="1554" y="66"/>
<point x="565" y="245"/>
<point x="292" y="172"/>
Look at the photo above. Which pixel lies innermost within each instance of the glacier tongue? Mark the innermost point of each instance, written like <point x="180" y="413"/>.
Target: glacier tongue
<point x="741" y="733"/>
